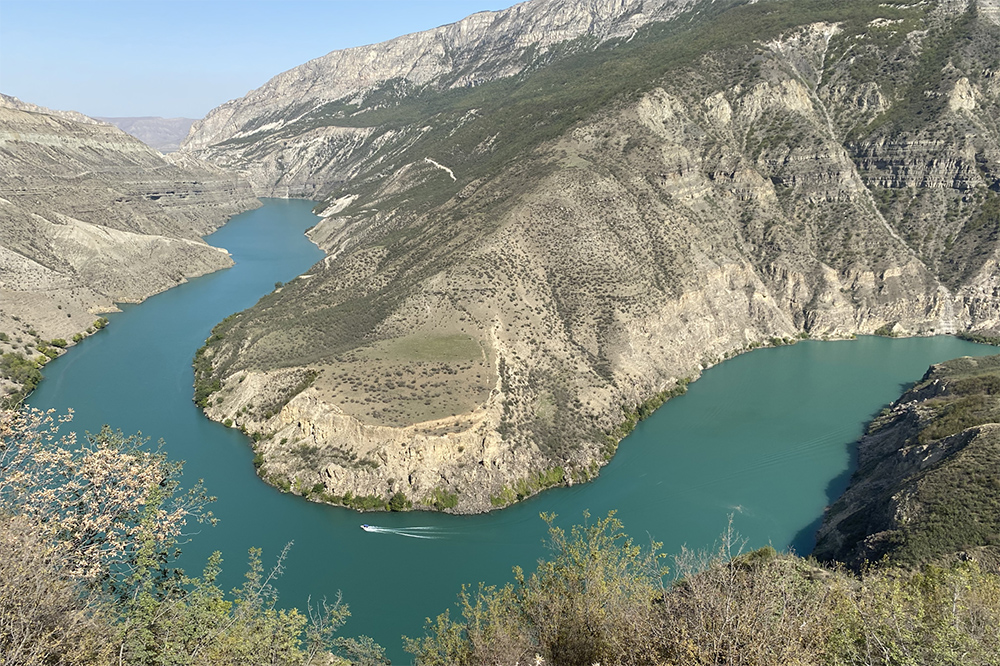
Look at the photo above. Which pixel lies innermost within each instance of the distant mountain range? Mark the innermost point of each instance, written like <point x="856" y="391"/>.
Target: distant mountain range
<point x="163" y="134"/>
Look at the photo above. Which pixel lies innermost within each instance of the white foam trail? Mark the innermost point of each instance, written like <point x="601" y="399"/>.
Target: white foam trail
<point x="411" y="532"/>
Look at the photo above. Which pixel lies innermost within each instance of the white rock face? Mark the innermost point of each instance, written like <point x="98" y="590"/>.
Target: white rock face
<point x="479" y="48"/>
<point x="990" y="10"/>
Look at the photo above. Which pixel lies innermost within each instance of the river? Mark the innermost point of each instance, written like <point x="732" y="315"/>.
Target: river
<point x="765" y="437"/>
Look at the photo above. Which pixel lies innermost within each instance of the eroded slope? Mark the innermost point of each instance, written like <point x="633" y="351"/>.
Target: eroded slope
<point x="90" y="216"/>
<point x="542" y="257"/>
<point x="927" y="485"/>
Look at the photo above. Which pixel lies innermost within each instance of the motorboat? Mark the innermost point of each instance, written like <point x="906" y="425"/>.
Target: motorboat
<point x="368" y="528"/>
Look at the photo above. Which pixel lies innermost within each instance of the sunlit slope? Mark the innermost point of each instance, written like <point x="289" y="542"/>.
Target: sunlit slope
<point x="515" y="267"/>
<point x="90" y="217"/>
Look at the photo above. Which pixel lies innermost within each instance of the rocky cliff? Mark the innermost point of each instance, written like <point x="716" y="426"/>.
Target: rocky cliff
<point x="519" y="267"/>
<point x="927" y="485"/>
<point x="271" y="135"/>
<point x="90" y="216"/>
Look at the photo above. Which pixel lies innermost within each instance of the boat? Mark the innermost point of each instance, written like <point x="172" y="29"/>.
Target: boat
<point x="368" y="528"/>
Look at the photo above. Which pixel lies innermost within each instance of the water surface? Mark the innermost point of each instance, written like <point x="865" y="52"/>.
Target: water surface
<point x="765" y="437"/>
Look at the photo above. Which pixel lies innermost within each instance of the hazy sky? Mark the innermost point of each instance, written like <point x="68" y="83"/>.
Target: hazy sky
<point x="181" y="58"/>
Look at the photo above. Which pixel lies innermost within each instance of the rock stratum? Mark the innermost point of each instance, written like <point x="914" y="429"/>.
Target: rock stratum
<point x="90" y="217"/>
<point x="527" y="254"/>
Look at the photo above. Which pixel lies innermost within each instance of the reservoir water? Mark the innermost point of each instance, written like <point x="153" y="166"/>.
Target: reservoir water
<point x="765" y="437"/>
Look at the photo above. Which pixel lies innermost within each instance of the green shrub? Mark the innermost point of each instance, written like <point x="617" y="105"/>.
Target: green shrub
<point x="398" y="502"/>
<point x="20" y="370"/>
<point x="441" y="499"/>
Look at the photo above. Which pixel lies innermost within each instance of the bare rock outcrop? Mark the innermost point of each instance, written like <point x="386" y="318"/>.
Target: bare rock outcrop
<point x="243" y="134"/>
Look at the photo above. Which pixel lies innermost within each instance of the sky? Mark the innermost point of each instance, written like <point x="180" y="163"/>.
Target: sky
<point x="182" y="58"/>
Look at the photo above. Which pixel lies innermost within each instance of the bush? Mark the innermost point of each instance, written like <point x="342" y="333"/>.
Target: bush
<point x="88" y="532"/>
<point x="441" y="499"/>
<point x="398" y="502"/>
<point x="44" y="615"/>
<point x="593" y="602"/>
<point x="20" y="370"/>
<point x="600" y="599"/>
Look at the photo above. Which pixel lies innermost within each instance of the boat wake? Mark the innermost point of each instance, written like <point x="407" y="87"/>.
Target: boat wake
<point x="411" y="532"/>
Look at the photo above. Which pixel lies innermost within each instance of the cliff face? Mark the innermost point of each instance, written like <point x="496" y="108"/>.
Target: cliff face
<point x="514" y="264"/>
<point x="90" y="216"/>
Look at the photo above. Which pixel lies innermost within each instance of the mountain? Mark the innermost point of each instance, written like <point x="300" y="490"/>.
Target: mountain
<point x="252" y="133"/>
<point x="90" y="217"/>
<point x="926" y="487"/>
<point x="163" y="134"/>
<point x="526" y="254"/>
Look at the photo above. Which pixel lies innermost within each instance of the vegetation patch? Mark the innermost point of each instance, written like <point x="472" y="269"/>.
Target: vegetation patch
<point x="20" y="370"/>
<point x="602" y="598"/>
<point x="441" y="499"/>
<point x="529" y="486"/>
<point x="417" y="379"/>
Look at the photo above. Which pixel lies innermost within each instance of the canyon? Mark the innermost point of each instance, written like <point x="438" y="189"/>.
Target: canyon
<point x="523" y="258"/>
<point x="91" y="217"/>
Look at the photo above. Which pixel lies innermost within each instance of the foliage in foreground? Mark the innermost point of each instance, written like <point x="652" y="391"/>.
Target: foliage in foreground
<point x="88" y="534"/>
<point x="601" y="599"/>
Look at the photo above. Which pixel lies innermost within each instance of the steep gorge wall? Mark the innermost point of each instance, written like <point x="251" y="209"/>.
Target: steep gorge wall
<point x="268" y="135"/>
<point x="792" y="184"/>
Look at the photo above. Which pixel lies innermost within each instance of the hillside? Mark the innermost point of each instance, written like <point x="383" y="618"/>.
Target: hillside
<point x="927" y="485"/>
<point x="522" y="264"/>
<point x="90" y="217"/>
<point x="289" y="137"/>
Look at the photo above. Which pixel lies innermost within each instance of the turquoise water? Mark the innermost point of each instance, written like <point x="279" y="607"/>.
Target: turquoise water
<point x="765" y="437"/>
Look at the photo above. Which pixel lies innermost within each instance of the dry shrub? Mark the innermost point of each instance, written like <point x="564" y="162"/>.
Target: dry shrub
<point x="751" y="609"/>
<point x="103" y="497"/>
<point x="593" y="602"/>
<point x="934" y="615"/>
<point x="44" y="617"/>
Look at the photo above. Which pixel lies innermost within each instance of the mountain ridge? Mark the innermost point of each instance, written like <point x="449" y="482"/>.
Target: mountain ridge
<point x="570" y="245"/>
<point x="424" y="58"/>
<point x="162" y="134"/>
